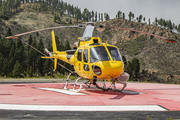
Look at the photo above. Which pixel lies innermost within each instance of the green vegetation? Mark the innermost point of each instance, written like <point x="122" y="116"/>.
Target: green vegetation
<point x="18" y="60"/>
<point x="160" y="64"/>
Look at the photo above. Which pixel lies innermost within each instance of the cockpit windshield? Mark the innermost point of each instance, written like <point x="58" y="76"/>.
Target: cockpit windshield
<point x="98" y="54"/>
<point x="114" y="53"/>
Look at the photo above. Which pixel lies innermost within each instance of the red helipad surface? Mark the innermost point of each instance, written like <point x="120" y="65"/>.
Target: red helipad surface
<point x="165" y="95"/>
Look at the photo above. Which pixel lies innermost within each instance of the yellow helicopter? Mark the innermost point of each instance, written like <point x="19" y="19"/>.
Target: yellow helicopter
<point x="92" y="59"/>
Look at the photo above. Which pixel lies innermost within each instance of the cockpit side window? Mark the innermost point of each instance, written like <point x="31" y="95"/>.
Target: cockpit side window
<point x="85" y="55"/>
<point x="114" y="53"/>
<point x="79" y="55"/>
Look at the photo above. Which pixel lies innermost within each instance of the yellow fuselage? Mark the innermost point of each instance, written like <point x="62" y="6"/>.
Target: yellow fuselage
<point x="84" y="64"/>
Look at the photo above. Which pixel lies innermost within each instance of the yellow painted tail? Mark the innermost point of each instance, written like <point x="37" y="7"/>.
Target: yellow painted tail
<point x="53" y="42"/>
<point x="54" y="49"/>
<point x="55" y="64"/>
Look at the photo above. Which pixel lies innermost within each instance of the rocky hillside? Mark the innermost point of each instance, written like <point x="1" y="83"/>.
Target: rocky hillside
<point x="163" y="58"/>
<point x="29" y="19"/>
<point x="160" y="57"/>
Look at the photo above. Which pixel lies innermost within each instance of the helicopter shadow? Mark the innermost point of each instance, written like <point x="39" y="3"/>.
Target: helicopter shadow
<point x="95" y="91"/>
<point x="118" y="95"/>
<point x="125" y="93"/>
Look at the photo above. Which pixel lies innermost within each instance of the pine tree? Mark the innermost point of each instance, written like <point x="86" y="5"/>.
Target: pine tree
<point x="86" y="14"/>
<point x="76" y="16"/>
<point x="92" y="14"/>
<point x="30" y="71"/>
<point x="41" y="45"/>
<point x="125" y="61"/>
<point x="1" y="45"/>
<point x="119" y="14"/>
<point x="130" y="69"/>
<point x="8" y="33"/>
<point x="5" y="67"/>
<point x="136" y="67"/>
<point x="67" y="45"/>
<point x="48" y="66"/>
<point x="89" y="16"/>
<point x="169" y="24"/>
<point x="70" y="22"/>
<point x="61" y="13"/>
<point x="11" y="64"/>
<point x="137" y="19"/>
<point x="37" y="34"/>
<point x="0" y="3"/>
<point x="133" y="68"/>
<point x="1" y="63"/>
<point x="18" y="43"/>
<point x="149" y="21"/>
<point x="62" y="70"/>
<point x="178" y="29"/>
<point x="130" y="15"/>
<point x="173" y="26"/>
<point x="12" y="59"/>
<point x="123" y="15"/>
<point x="40" y="61"/>
<point x="7" y="47"/>
<point x="30" y="40"/>
<point x="19" y="52"/>
<point x="61" y="46"/>
<point x="55" y="18"/>
<point x="57" y="43"/>
<point x="96" y="16"/>
<point x="156" y="21"/>
<point x="17" y="72"/>
<point x="106" y="16"/>
<point x="101" y="17"/>
<point x="33" y="55"/>
<point x="144" y="19"/>
<point x="160" y="22"/>
<point x="12" y="51"/>
<point x="164" y="23"/>
<point x="140" y="18"/>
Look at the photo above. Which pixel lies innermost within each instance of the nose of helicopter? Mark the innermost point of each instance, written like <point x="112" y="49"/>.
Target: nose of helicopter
<point x="112" y="69"/>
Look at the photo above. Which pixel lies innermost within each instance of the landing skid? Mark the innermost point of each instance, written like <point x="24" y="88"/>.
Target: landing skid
<point x="76" y="83"/>
<point x="112" y="87"/>
<point x="104" y="87"/>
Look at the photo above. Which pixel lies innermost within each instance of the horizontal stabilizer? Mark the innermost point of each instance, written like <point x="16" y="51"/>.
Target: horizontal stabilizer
<point x="49" y="57"/>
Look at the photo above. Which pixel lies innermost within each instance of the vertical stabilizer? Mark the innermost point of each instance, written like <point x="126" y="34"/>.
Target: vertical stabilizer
<point x="53" y="42"/>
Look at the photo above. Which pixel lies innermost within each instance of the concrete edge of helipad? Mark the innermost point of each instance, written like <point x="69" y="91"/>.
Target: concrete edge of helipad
<point x="82" y="108"/>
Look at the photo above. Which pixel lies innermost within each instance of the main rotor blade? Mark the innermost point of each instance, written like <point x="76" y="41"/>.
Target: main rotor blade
<point x="167" y="39"/>
<point x="15" y="36"/>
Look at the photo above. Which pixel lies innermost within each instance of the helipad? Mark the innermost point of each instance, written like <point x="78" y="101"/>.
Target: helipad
<point x="52" y="97"/>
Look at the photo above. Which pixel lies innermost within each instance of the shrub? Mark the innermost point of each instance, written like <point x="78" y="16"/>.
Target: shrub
<point x="4" y="17"/>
